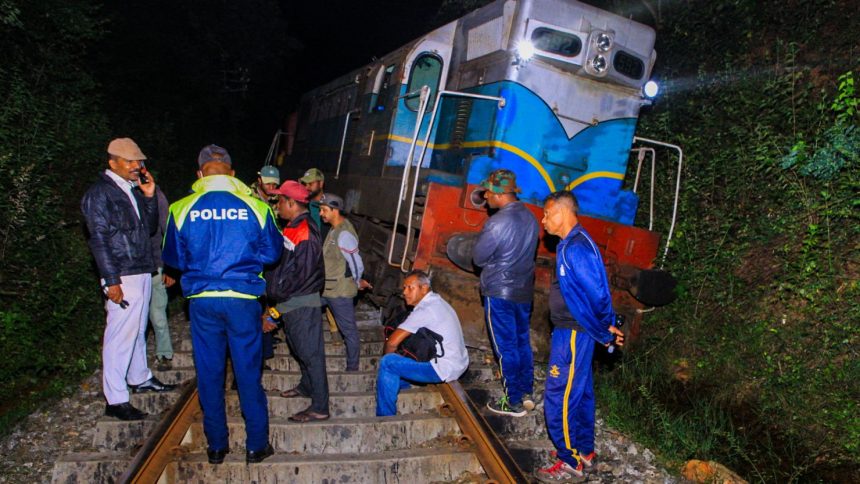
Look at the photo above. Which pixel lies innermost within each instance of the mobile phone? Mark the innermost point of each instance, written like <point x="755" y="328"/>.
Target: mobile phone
<point x="142" y="178"/>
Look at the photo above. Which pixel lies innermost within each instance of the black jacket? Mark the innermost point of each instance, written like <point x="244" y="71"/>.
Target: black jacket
<point x="506" y="250"/>
<point x="118" y="238"/>
<point x="301" y="270"/>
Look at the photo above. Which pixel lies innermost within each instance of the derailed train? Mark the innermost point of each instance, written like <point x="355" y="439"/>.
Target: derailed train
<point x="550" y="89"/>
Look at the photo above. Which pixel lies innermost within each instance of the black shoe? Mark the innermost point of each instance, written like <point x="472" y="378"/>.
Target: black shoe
<point x="217" y="456"/>
<point x="124" y="411"/>
<point x="253" y="457"/>
<point x="152" y="385"/>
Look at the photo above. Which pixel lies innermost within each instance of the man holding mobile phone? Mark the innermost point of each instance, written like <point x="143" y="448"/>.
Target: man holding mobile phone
<point x="121" y="214"/>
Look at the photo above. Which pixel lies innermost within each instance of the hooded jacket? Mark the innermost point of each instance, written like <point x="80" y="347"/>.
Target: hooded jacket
<point x="220" y="237"/>
<point x="119" y="237"/>
<point x="506" y="250"/>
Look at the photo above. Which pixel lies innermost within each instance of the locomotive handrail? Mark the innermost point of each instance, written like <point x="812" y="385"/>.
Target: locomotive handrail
<point x="439" y="95"/>
<point x="641" y="157"/>
<point x="677" y="188"/>
<point x="422" y="106"/>
<point x="343" y="141"/>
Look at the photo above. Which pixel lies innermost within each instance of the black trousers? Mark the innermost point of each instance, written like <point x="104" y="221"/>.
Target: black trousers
<point x="304" y="335"/>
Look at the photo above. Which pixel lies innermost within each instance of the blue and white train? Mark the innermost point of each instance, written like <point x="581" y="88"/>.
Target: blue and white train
<point x="550" y="89"/>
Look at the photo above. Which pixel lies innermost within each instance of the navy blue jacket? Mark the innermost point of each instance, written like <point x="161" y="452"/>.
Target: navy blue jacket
<point x="220" y="237"/>
<point x="506" y="250"/>
<point x="119" y="238"/>
<point x="583" y="284"/>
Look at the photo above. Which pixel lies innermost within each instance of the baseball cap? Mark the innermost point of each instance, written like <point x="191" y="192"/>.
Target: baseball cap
<point x="292" y="189"/>
<point x="270" y="174"/>
<point x="332" y="201"/>
<point x="125" y="148"/>
<point x="501" y="181"/>
<point x="312" y="175"/>
<point x="213" y="153"/>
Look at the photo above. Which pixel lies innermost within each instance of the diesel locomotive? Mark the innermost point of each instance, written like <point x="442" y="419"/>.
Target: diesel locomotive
<point x="549" y="89"/>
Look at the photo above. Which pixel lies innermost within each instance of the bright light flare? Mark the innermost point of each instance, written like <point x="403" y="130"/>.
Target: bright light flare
<point x="651" y="89"/>
<point x="525" y="50"/>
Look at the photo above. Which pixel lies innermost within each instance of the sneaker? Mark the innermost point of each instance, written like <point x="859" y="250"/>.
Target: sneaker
<point x="163" y="363"/>
<point x="588" y="459"/>
<point x="559" y="472"/>
<point x="504" y="407"/>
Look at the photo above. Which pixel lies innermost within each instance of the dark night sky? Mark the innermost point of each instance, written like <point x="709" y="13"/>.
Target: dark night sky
<point x="340" y="35"/>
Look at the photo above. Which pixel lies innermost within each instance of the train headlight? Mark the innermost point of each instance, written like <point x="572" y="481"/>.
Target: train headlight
<point x="598" y="63"/>
<point x="525" y="50"/>
<point x="603" y="42"/>
<point x="651" y="89"/>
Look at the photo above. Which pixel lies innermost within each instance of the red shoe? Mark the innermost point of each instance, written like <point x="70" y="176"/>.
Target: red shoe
<point x="587" y="460"/>
<point x="559" y="472"/>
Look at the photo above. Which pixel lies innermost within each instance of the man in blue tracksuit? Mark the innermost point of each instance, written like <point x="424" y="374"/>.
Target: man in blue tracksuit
<point x="505" y="250"/>
<point x="220" y="237"/>
<point x="582" y="314"/>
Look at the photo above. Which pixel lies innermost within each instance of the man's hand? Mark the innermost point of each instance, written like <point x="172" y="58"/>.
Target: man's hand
<point x="362" y="285"/>
<point x="147" y="188"/>
<point x="619" y="336"/>
<point x="268" y="324"/>
<point x="114" y="293"/>
<point x="167" y="280"/>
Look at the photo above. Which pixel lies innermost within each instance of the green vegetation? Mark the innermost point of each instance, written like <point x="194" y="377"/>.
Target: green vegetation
<point x="51" y="132"/>
<point x="756" y="364"/>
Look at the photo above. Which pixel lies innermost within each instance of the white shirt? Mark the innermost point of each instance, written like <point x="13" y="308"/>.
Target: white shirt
<point x="435" y="314"/>
<point x="125" y="186"/>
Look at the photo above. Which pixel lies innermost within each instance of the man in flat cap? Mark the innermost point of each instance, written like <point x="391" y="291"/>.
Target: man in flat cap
<point x="506" y="250"/>
<point x="294" y="285"/>
<point x="121" y="214"/>
<point x="220" y="238"/>
<point x="343" y="270"/>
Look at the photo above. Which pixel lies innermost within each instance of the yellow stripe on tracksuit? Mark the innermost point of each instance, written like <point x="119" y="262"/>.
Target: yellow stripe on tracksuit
<point x="564" y="409"/>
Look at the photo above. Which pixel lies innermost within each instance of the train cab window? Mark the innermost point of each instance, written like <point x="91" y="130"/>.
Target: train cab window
<point x="426" y="71"/>
<point x="628" y="65"/>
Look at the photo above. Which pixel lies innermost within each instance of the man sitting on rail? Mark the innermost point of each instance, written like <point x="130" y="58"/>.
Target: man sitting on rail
<point x="397" y="372"/>
<point x="581" y="311"/>
<point x="220" y="237"/>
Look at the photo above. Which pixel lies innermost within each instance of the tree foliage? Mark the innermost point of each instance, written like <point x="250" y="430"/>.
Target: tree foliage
<point x="51" y="136"/>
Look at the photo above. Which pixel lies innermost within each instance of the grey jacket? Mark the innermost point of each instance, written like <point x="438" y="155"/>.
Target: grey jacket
<point x="506" y="250"/>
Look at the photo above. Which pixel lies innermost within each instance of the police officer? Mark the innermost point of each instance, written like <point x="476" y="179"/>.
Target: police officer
<point x="220" y="237"/>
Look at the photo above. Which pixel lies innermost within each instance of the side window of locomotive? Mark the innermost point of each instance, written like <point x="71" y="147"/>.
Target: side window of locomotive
<point x="381" y="89"/>
<point x="426" y="71"/>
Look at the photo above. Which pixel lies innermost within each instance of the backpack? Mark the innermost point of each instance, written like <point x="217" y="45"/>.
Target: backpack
<point x="421" y="345"/>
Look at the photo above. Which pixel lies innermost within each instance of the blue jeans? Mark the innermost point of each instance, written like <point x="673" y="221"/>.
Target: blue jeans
<point x="217" y="322"/>
<point x="508" y="326"/>
<point x="343" y="310"/>
<point x="395" y="374"/>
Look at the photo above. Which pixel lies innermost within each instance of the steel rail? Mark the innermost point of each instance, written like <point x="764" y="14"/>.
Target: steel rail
<point x="157" y="450"/>
<point x="491" y="451"/>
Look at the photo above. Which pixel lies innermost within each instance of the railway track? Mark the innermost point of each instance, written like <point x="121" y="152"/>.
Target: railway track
<point x="442" y="433"/>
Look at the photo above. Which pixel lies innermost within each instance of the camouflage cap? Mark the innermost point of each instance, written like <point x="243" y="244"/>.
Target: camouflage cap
<point x="312" y="175"/>
<point x="501" y="181"/>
